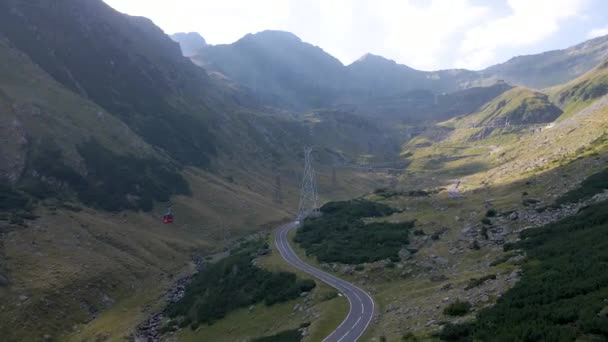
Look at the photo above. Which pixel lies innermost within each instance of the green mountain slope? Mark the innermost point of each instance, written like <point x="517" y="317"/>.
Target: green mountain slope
<point x="125" y="64"/>
<point x="583" y="90"/>
<point x="102" y="113"/>
<point x="518" y="106"/>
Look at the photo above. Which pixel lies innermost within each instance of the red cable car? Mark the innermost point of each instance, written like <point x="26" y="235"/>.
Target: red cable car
<point x="168" y="217"/>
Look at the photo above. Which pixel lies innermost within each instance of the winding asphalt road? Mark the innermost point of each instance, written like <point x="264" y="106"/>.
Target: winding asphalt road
<point x="361" y="304"/>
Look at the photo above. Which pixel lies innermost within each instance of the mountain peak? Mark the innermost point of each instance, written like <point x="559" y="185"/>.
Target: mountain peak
<point x="371" y="58"/>
<point x="191" y="42"/>
<point x="272" y="35"/>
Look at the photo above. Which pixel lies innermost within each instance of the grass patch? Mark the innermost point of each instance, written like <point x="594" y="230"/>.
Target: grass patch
<point x="341" y="235"/>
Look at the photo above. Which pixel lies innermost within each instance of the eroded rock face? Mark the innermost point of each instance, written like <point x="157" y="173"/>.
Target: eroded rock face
<point x="13" y="146"/>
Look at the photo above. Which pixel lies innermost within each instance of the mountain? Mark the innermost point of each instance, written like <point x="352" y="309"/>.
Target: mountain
<point x="418" y="107"/>
<point x="584" y="89"/>
<point x="191" y="43"/>
<point x="280" y="68"/>
<point x="284" y="71"/>
<point x="375" y="75"/>
<point x="551" y="68"/>
<point x="518" y="106"/>
<point x="104" y="122"/>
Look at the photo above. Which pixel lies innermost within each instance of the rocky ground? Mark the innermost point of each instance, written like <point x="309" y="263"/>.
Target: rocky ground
<point x="439" y="268"/>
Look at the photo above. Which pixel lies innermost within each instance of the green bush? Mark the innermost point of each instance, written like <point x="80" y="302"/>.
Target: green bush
<point x="500" y="260"/>
<point x="458" y="308"/>
<point x="491" y="213"/>
<point x="456" y="332"/>
<point x="475" y="282"/>
<point x="340" y="234"/>
<point x="232" y="283"/>
<point x="418" y="232"/>
<point x="11" y="199"/>
<point x="484" y="232"/>
<point x="563" y="286"/>
<point x="285" y="336"/>
<point x="409" y="337"/>
<point x="486" y="221"/>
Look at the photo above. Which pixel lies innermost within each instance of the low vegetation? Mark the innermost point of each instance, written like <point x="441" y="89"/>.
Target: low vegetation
<point x="562" y="293"/>
<point x="475" y="282"/>
<point x="341" y="235"/>
<point x="458" y="308"/>
<point x="591" y="186"/>
<point x="285" y="336"/>
<point x="112" y="182"/>
<point x="232" y="283"/>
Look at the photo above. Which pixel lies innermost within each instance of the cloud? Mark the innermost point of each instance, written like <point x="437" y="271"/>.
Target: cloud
<point x="529" y="23"/>
<point x="424" y="34"/>
<point x="598" y="32"/>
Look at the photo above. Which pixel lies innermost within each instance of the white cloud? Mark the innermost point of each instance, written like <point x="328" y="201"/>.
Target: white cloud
<point x="424" y="34"/>
<point x="529" y="23"/>
<point x="598" y="32"/>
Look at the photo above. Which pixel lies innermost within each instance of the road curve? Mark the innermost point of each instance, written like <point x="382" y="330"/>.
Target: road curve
<point x="362" y="307"/>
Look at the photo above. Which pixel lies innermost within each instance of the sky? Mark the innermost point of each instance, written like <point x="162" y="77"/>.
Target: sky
<point x="423" y="34"/>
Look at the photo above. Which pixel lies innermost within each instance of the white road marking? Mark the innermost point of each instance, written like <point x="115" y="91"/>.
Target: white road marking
<point x="342" y="286"/>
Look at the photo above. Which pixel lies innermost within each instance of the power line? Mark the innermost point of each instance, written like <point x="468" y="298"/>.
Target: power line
<point x="308" y="192"/>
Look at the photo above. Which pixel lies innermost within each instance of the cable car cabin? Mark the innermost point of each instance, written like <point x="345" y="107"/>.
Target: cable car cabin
<point x="168" y="219"/>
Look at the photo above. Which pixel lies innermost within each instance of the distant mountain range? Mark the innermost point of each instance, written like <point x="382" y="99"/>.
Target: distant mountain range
<point x="103" y="121"/>
<point x="283" y="70"/>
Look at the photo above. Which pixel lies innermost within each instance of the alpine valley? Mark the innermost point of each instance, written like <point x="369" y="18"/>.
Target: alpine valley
<point x="469" y="205"/>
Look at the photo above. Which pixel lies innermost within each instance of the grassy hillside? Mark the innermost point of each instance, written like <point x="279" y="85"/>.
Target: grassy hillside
<point x="581" y="92"/>
<point x="562" y="290"/>
<point x="518" y="106"/>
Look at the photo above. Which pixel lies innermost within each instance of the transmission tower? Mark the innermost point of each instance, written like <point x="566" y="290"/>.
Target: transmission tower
<point x="308" y="193"/>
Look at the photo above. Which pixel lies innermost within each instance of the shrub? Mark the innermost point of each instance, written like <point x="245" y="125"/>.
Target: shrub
<point x="530" y="202"/>
<point x="285" y="336"/>
<point x="341" y="235"/>
<point x="475" y="245"/>
<point x="562" y="291"/>
<point x="475" y="282"/>
<point x="491" y="213"/>
<point x="484" y="232"/>
<point x="11" y="199"/>
<point x="232" y="283"/>
<point x="307" y="285"/>
<point x="329" y="295"/>
<point x="500" y="260"/>
<point x="455" y="332"/>
<point x="458" y="308"/>
<point x="486" y="221"/>
<point x="409" y="337"/>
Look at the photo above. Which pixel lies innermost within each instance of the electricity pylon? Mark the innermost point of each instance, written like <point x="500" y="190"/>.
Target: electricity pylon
<point x="308" y="192"/>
